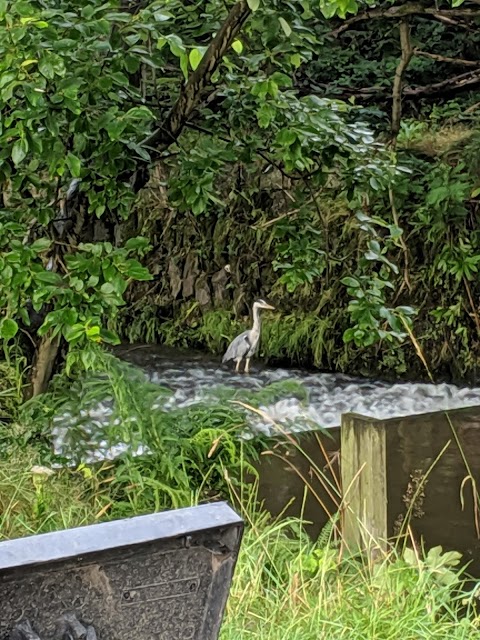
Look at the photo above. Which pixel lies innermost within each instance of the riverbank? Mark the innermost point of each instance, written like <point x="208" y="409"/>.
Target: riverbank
<point x="285" y="586"/>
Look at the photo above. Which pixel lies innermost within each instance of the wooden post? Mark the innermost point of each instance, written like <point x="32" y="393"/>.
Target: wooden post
<point x="364" y="482"/>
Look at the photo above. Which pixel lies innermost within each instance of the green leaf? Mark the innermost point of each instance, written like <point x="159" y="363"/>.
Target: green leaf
<point x="286" y="137"/>
<point x="45" y="67"/>
<point x="6" y="78"/>
<point x="137" y="244"/>
<point x="73" y="333"/>
<point x="253" y="4"/>
<point x="74" y="164"/>
<point x="49" y="277"/>
<point x="107" y="288"/>
<point x="109" y="336"/>
<point x="350" y="282"/>
<point x="93" y="333"/>
<point x="8" y="328"/>
<point x="176" y="45"/>
<point x="136" y="271"/>
<point x="42" y="244"/>
<point x="287" y="29"/>
<point x="195" y="58"/>
<point x="143" y="153"/>
<point x="51" y="65"/>
<point x="19" y="151"/>
<point x="115" y="128"/>
<point x="184" y="65"/>
<point x="296" y="60"/>
<point x="237" y="46"/>
<point x="27" y="63"/>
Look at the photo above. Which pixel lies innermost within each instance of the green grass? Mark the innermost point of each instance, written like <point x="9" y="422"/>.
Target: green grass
<point x="285" y="586"/>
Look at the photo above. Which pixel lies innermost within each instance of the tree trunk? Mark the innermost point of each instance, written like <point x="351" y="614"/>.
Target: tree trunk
<point x="43" y="364"/>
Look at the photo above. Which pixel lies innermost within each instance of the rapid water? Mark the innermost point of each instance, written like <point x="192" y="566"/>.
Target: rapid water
<point x="193" y="377"/>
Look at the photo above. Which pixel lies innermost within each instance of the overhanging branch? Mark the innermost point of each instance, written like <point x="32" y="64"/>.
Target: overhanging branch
<point x="457" y="83"/>
<point x="191" y="92"/>
<point x="410" y="9"/>
<point x="457" y="61"/>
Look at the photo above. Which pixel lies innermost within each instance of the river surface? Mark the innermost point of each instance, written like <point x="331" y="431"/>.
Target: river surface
<point x="193" y="377"/>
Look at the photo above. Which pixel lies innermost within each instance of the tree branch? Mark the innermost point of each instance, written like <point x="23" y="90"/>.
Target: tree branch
<point x="191" y="92"/>
<point x="463" y="81"/>
<point x="457" y="61"/>
<point x="407" y="53"/>
<point x="401" y="11"/>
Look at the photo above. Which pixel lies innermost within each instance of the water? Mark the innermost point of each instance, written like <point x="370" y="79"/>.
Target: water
<point x="193" y="377"/>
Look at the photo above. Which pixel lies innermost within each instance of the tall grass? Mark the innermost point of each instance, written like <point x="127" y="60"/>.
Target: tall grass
<point x="286" y="586"/>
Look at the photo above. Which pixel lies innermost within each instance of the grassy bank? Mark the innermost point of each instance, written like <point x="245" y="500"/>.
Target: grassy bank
<point x="285" y="586"/>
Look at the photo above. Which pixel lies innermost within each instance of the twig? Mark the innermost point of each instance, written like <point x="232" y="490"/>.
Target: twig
<point x="407" y="53"/>
<point x="324" y="221"/>
<point x="401" y="239"/>
<point x="457" y="61"/>
<point x="470" y="299"/>
<point x="393" y="13"/>
<point x="287" y="214"/>
<point x="473" y="108"/>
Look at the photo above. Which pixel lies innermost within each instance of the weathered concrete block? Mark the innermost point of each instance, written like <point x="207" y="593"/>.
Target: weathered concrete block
<point x="164" y="576"/>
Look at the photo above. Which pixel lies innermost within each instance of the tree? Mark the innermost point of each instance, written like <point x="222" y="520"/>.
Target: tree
<point x="92" y="95"/>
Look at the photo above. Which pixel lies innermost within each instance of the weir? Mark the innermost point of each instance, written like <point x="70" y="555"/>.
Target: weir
<point x="419" y="470"/>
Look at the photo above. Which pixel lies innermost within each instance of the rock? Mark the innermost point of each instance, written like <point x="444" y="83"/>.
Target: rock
<point x="175" y="278"/>
<point x="202" y="290"/>
<point x="219" y="283"/>
<point x="190" y="274"/>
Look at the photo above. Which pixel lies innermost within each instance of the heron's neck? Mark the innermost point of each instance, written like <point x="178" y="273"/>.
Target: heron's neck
<point x="256" y="319"/>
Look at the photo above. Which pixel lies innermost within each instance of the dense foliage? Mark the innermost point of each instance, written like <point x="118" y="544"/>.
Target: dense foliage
<point x="233" y="114"/>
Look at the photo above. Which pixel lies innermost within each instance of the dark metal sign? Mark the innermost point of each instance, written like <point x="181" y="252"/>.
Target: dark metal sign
<point x="164" y="576"/>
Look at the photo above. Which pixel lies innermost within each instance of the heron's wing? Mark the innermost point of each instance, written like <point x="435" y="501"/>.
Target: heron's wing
<point x="238" y="348"/>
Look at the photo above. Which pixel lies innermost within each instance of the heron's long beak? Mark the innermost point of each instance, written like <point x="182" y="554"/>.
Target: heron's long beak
<point x="268" y="306"/>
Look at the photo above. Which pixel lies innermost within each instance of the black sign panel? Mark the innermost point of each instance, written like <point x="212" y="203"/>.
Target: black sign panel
<point x="164" y="576"/>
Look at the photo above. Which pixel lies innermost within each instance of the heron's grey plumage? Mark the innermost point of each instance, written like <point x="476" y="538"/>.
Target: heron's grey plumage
<point x="239" y="347"/>
<point x="245" y="345"/>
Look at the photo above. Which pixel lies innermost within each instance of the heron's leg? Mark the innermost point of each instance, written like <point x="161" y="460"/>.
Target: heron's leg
<point x="237" y="366"/>
<point x="247" y="365"/>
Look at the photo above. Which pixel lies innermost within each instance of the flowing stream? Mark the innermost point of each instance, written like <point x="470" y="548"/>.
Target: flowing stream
<point x="193" y="377"/>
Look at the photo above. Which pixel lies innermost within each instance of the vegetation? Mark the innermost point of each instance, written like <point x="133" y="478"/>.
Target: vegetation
<point x="266" y="148"/>
<point x="285" y="586"/>
<point x="161" y="163"/>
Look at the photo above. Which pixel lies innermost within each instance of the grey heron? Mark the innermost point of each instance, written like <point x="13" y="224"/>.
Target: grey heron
<point x="245" y="345"/>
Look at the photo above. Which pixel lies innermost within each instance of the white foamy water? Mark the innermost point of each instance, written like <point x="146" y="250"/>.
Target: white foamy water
<point x="192" y="378"/>
<point x="329" y="395"/>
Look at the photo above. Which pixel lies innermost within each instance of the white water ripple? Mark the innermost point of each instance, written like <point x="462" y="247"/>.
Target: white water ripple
<point x="192" y="378"/>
